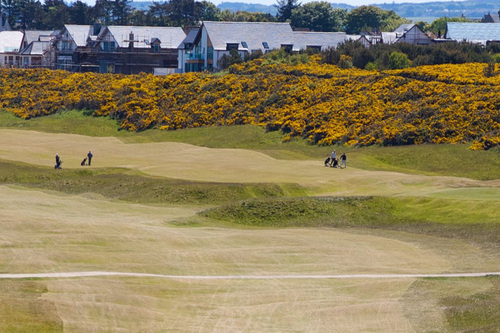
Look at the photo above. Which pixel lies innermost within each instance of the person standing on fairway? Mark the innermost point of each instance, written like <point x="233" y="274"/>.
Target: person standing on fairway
<point x="343" y="160"/>
<point x="333" y="158"/>
<point x="89" y="157"/>
<point x="58" y="162"/>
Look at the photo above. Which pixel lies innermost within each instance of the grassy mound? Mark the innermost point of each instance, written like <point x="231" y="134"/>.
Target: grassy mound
<point x="124" y="185"/>
<point x="476" y="222"/>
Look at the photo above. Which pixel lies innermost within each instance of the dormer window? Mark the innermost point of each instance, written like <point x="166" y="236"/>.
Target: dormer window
<point x="232" y="46"/>
<point x="314" y="48"/>
<point x="287" y="47"/>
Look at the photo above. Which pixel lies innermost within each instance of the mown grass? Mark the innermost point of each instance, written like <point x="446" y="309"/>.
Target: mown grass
<point x="23" y="310"/>
<point x="479" y="224"/>
<point x="131" y="186"/>
<point x="447" y="160"/>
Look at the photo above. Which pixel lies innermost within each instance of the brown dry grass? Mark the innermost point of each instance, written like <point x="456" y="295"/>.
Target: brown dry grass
<point x="52" y="232"/>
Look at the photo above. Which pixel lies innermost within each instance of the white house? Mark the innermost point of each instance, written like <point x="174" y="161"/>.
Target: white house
<point x="35" y="46"/>
<point x="411" y="34"/>
<point x="203" y="47"/>
<point x="10" y="46"/>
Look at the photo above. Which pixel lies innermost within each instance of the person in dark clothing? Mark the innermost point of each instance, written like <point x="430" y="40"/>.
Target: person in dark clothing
<point x="89" y="156"/>
<point x="343" y="160"/>
<point x="58" y="162"/>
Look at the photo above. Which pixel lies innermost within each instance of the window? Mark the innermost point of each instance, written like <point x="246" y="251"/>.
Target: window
<point x="157" y="48"/>
<point x="266" y="46"/>
<point x="244" y="44"/>
<point x="109" y="46"/>
<point x="313" y="48"/>
<point x="231" y="46"/>
<point x="287" y="47"/>
<point x="210" y="53"/>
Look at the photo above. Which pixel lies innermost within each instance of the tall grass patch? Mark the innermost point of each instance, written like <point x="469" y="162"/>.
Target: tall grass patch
<point x="23" y="310"/>
<point x="454" y="305"/>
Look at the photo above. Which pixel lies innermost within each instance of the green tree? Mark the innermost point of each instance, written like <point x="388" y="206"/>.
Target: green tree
<point x="438" y="26"/>
<point x="79" y="13"/>
<point x="182" y="13"/>
<point x="227" y="60"/>
<point x="318" y="16"/>
<point x="158" y="13"/>
<point x="56" y="14"/>
<point x="207" y="11"/>
<point x="140" y="17"/>
<point x="285" y="8"/>
<point x="12" y="9"/>
<point x="363" y="18"/>
<point x="31" y="15"/>
<point x="102" y="11"/>
<point x="399" y="60"/>
<point x="120" y="10"/>
<point x="391" y="21"/>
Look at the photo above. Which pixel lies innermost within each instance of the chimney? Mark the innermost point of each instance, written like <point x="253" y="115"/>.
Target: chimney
<point x="131" y="40"/>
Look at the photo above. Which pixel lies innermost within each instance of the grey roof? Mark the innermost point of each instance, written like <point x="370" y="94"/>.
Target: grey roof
<point x="10" y="41"/>
<point x="404" y="28"/>
<point x="36" y="48"/>
<point x="253" y="33"/>
<point x="191" y="36"/>
<point x="170" y="37"/>
<point x="301" y="40"/>
<point x="36" y="35"/>
<point x="79" y="33"/>
<point x="473" y="32"/>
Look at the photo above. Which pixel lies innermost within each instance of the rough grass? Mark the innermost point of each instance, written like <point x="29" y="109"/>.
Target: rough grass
<point x="479" y="312"/>
<point x="401" y="214"/>
<point x="449" y="160"/>
<point x="457" y="305"/>
<point x="23" y="310"/>
<point x="125" y="185"/>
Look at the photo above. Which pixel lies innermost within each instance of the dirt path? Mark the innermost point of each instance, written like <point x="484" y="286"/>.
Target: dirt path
<point x="245" y="277"/>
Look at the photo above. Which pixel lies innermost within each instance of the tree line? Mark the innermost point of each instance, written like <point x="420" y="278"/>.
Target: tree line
<point x="315" y="16"/>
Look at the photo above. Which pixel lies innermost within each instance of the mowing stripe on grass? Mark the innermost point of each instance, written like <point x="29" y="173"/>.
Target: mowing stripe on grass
<point x="246" y="277"/>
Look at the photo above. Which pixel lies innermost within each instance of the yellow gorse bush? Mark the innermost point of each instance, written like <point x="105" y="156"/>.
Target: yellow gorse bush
<point x="322" y="103"/>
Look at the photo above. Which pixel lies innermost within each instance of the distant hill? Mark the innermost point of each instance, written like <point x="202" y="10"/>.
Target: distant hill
<point x="249" y="7"/>
<point x="472" y="9"/>
<point x="429" y="11"/>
